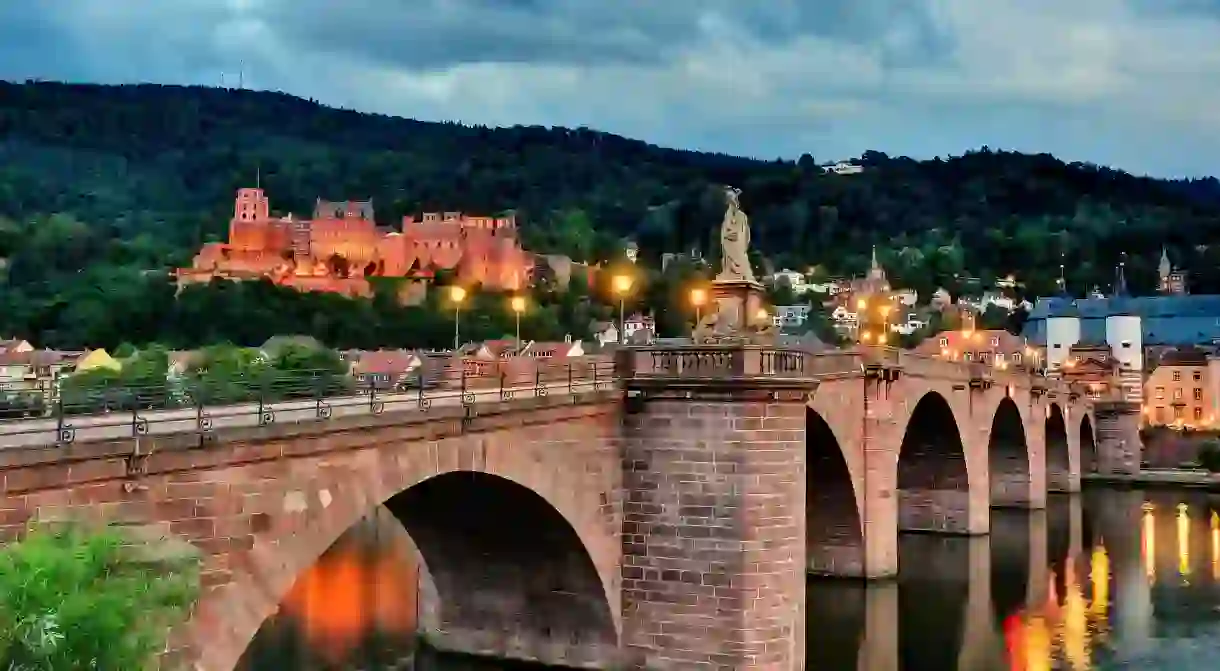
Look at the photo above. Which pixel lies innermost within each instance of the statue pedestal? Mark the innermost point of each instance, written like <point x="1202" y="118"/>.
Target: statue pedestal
<point x="737" y="302"/>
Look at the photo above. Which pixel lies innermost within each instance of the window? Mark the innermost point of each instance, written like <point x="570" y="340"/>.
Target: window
<point x="1177" y="376"/>
<point x="1016" y="357"/>
<point x="1177" y="394"/>
<point x="1127" y="344"/>
<point x="967" y="356"/>
<point x="944" y="342"/>
<point x="999" y="357"/>
<point x="1198" y="413"/>
<point x="1198" y="375"/>
<point x="1198" y="393"/>
<point x="1177" y="412"/>
<point x="995" y="341"/>
<point x="1160" y="392"/>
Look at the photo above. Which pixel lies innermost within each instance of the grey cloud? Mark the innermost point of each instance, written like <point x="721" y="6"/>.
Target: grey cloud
<point x="774" y="77"/>
<point x="428" y="34"/>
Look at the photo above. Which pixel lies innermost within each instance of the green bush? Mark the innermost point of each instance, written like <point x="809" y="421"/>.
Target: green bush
<point x="73" y="599"/>
<point x="1209" y="455"/>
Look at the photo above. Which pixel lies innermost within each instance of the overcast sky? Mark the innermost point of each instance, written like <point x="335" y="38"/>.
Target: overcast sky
<point x="1129" y="83"/>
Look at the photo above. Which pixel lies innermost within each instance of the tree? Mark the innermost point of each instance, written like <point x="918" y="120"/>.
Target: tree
<point x="71" y="599"/>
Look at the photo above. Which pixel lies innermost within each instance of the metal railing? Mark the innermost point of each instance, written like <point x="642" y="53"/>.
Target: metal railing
<point x="66" y="411"/>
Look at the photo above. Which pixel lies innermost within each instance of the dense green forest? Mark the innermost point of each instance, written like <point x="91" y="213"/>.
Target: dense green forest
<point x="103" y="188"/>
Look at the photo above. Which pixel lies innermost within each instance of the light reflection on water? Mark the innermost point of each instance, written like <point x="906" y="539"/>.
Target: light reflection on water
<point x="1099" y="581"/>
<point x="1104" y="580"/>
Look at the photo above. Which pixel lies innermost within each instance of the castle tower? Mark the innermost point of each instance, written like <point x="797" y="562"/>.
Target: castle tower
<point x="248" y="229"/>
<point x="251" y="205"/>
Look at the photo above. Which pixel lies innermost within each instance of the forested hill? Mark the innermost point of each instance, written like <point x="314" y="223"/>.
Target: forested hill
<point x="148" y="172"/>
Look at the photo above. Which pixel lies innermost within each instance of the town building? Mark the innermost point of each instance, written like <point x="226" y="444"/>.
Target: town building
<point x="1181" y="391"/>
<point x="342" y="246"/>
<point x="995" y="347"/>
<point x="791" y="316"/>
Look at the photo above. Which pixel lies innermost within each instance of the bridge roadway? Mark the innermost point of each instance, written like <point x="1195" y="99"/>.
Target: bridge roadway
<point x="125" y="424"/>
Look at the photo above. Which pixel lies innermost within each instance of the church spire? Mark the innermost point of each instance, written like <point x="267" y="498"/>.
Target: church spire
<point x="1165" y="267"/>
<point x="1120" y="277"/>
<point x="1063" y="287"/>
<point x="875" y="266"/>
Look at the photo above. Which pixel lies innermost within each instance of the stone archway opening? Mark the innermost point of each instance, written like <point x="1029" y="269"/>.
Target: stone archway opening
<point x="1058" y="463"/>
<point x="834" y="532"/>
<point x="1088" y="446"/>
<point x="1008" y="454"/>
<point x="506" y="576"/>
<point x="933" y="484"/>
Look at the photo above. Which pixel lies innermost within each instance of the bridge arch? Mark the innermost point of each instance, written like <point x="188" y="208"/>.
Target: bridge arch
<point x="834" y="528"/>
<point x="520" y="547"/>
<point x="1058" y="451"/>
<point x="1088" y="445"/>
<point x="933" y="478"/>
<point x="1011" y="474"/>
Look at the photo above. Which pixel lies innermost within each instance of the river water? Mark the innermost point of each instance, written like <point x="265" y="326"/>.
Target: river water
<point x="1103" y="580"/>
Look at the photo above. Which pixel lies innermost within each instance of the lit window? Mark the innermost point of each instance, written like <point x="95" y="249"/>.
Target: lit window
<point x="1177" y="376"/>
<point x="1160" y="392"/>
<point x="1198" y="413"/>
<point x="995" y="341"/>
<point x="1016" y="357"/>
<point x="1177" y="412"/>
<point x="1177" y="394"/>
<point x="944" y="342"/>
<point x="1198" y="394"/>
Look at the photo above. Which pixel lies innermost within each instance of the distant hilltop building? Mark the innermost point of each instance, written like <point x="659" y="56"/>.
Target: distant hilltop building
<point x="342" y="246"/>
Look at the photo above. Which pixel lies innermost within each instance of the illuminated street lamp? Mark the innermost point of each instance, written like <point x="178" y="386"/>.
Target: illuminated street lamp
<point x="621" y="284"/>
<point x="457" y="295"/>
<point x="518" y="306"/>
<point x="698" y="298"/>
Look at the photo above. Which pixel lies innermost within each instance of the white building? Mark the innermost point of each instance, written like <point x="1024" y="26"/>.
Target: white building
<point x="791" y="316"/>
<point x="636" y="323"/>
<point x="844" y="168"/>
<point x="907" y="297"/>
<point x="910" y="325"/>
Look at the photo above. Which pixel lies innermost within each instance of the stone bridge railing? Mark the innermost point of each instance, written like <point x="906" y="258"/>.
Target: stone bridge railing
<point x="721" y="362"/>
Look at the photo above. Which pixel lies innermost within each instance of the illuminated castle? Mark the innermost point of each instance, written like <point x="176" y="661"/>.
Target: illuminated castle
<point x="342" y="246"/>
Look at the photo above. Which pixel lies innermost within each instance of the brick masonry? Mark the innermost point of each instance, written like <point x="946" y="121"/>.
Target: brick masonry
<point x="672" y="530"/>
<point x="265" y="503"/>
<point x="714" y="536"/>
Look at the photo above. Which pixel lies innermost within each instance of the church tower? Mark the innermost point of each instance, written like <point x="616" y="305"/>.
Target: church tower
<point x="1173" y="280"/>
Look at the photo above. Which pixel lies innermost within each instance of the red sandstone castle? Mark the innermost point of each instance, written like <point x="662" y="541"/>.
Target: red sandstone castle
<point x="342" y="246"/>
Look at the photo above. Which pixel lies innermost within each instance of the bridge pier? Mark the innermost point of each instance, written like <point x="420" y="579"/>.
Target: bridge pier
<point x="1119" y="447"/>
<point x="714" y="525"/>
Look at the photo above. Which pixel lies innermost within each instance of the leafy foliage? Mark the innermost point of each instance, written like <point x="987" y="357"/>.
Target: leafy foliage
<point x="220" y="374"/>
<point x="102" y="189"/>
<point x="73" y="600"/>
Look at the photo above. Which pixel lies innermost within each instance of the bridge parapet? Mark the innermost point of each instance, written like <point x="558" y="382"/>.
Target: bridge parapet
<point x="727" y="362"/>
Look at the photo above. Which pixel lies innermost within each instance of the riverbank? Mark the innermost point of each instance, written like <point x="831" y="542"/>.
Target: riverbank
<point x="1158" y="477"/>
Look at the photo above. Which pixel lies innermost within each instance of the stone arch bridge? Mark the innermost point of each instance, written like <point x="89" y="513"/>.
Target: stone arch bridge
<point x="662" y="518"/>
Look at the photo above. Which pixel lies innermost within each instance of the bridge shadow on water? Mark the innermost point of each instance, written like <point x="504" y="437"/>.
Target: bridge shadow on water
<point x="1103" y="580"/>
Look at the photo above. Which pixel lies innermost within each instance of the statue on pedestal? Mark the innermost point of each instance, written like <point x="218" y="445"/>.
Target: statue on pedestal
<point x="734" y="241"/>
<point x="739" y="317"/>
